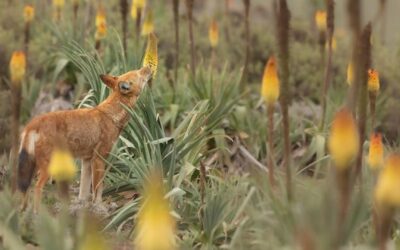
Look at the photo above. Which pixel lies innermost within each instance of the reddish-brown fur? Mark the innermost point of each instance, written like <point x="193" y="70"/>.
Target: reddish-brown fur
<point x="89" y="134"/>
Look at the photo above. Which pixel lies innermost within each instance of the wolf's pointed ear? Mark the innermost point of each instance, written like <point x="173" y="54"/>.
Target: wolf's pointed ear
<point x="145" y="73"/>
<point x="110" y="81"/>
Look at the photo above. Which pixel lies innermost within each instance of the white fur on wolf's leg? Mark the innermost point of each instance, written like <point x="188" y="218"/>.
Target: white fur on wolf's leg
<point x="99" y="194"/>
<point x="86" y="181"/>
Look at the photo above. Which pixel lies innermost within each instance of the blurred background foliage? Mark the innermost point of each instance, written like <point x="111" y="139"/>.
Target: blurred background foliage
<point x="203" y="119"/>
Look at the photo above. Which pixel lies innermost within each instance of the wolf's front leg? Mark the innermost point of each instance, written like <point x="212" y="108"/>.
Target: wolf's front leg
<point x="86" y="180"/>
<point x="98" y="169"/>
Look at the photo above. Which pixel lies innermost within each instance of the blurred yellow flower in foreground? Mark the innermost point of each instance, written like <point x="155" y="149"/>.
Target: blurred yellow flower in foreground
<point x="375" y="154"/>
<point x="213" y="35"/>
<point x="139" y="4"/>
<point x="387" y="188"/>
<point x="350" y="73"/>
<point x="343" y="139"/>
<point x="148" y="24"/>
<point x="134" y="12"/>
<point x="93" y="239"/>
<point x="151" y="55"/>
<point x="270" y="82"/>
<point x="155" y="226"/>
<point x="58" y="3"/>
<point x="29" y="13"/>
<point x="62" y="166"/>
<point x="17" y="66"/>
<point x="320" y="20"/>
<point x="373" y="81"/>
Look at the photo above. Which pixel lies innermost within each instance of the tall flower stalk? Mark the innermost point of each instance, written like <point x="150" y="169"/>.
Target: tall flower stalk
<point x="365" y="61"/>
<point x="151" y="56"/>
<point x="270" y="93"/>
<point x="58" y="6"/>
<point x="101" y="28"/>
<point x="330" y="28"/>
<point x="75" y="9"/>
<point x="156" y="227"/>
<point x="387" y="200"/>
<point x="282" y="28"/>
<point x="213" y="36"/>
<point x="17" y="69"/>
<point x="247" y="40"/>
<point x="189" y="10"/>
<point x="373" y="90"/>
<point x="139" y="6"/>
<point x="175" y="8"/>
<point x="124" y="8"/>
<point x="343" y="147"/>
<point x="29" y="15"/>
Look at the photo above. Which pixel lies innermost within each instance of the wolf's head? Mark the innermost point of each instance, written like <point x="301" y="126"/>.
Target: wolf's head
<point x="129" y="84"/>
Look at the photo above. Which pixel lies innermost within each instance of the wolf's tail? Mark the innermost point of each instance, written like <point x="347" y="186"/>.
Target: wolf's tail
<point x="26" y="168"/>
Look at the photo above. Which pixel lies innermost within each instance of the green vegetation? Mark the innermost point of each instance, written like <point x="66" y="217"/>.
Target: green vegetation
<point x="206" y="129"/>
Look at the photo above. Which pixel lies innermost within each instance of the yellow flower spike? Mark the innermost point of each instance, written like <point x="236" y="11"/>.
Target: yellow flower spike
<point x="62" y="166"/>
<point x="155" y="225"/>
<point x="388" y="184"/>
<point x="343" y="139"/>
<point x="17" y="67"/>
<point x="375" y="154"/>
<point x="101" y="32"/>
<point x="320" y="20"/>
<point x="134" y="12"/>
<point x="213" y="34"/>
<point x="373" y="81"/>
<point x="139" y="4"/>
<point x="270" y="83"/>
<point x="29" y="13"/>
<point x="58" y="4"/>
<point x="151" y="56"/>
<point x="148" y="24"/>
<point x="93" y="239"/>
<point x="100" y="17"/>
<point x="350" y="73"/>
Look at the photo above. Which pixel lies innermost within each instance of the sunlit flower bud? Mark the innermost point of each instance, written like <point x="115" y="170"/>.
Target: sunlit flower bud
<point x="343" y="139"/>
<point x="151" y="56"/>
<point x="148" y="24"/>
<point x="134" y="10"/>
<point x="62" y="166"/>
<point x="375" y="155"/>
<point x="320" y="20"/>
<point x="350" y="73"/>
<point x="334" y="44"/>
<point x="101" y="32"/>
<point x="373" y="81"/>
<point x="139" y="4"/>
<point x="100" y="18"/>
<point x="155" y="225"/>
<point x="270" y="83"/>
<point x="213" y="35"/>
<point x="387" y="188"/>
<point x="17" y="67"/>
<point x="58" y="3"/>
<point x="29" y="13"/>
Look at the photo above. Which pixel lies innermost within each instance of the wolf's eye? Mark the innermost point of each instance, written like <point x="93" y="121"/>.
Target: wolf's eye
<point x="124" y="86"/>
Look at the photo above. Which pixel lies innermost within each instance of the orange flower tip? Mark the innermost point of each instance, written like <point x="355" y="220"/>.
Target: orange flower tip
<point x="388" y="184"/>
<point x="29" y="13"/>
<point x="17" y="67"/>
<point x="320" y="20"/>
<point x="101" y="32"/>
<point x="270" y="88"/>
<point x="343" y="139"/>
<point x="213" y="34"/>
<point x="373" y="81"/>
<point x="376" y="151"/>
